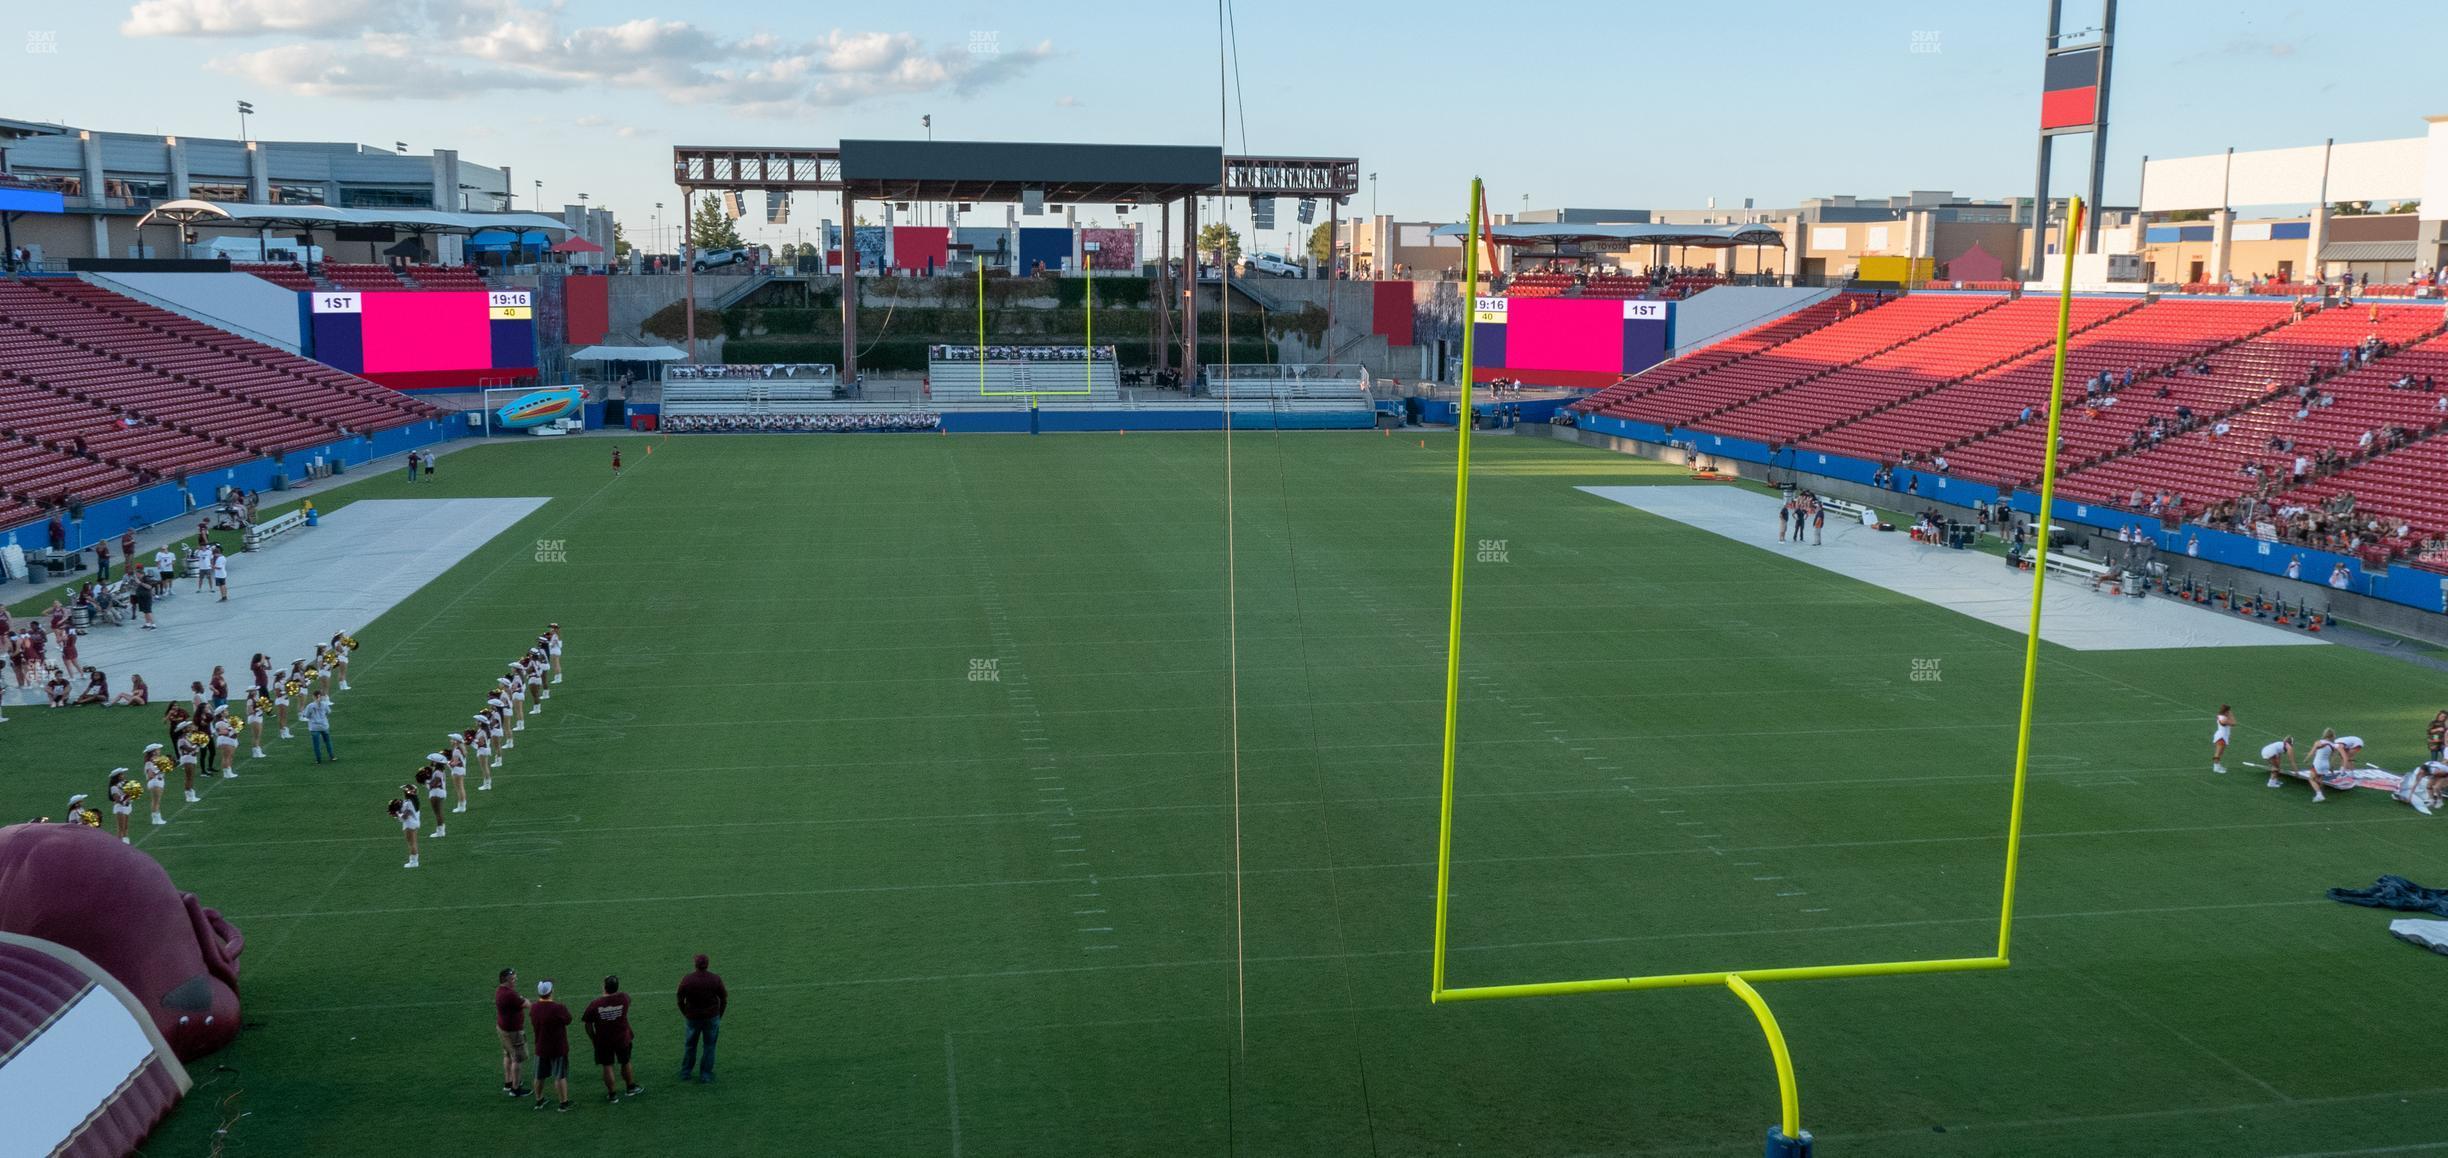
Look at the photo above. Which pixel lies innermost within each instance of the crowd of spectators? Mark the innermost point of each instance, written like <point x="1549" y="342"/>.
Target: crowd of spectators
<point x="899" y="421"/>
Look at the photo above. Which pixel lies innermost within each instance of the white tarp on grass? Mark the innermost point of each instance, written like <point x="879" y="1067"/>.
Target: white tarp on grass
<point x="1973" y="583"/>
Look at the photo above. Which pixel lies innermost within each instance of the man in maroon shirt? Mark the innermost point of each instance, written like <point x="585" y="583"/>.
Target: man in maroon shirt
<point x="702" y="999"/>
<point x="552" y="1022"/>
<point x="510" y="1021"/>
<point x="127" y="555"/>
<point x="607" y="1026"/>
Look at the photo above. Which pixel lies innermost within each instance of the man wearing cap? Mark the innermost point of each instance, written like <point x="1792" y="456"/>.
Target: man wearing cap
<point x="510" y="1021"/>
<point x="552" y="1022"/>
<point x="702" y="1000"/>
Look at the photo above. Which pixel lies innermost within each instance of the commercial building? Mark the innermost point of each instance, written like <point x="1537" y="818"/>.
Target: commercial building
<point x="108" y="181"/>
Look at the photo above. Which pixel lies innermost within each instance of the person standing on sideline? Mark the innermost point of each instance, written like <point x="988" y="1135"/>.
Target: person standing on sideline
<point x="316" y="715"/>
<point x="702" y="1000"/>
<point x="426" y="460"/>
<point x="220" y="573"/>
<point x="510" y="1022"/>
<point x="127" y="555"/>
<point x="412" y="466"/>
<point x="1818" y="522"/>
<point x="552" y="1022"/>
<point x="616" y="462"/>
<point x="607" y="1027"/>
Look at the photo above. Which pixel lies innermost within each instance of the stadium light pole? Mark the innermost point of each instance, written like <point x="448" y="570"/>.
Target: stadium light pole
<point x="245" y="109"/>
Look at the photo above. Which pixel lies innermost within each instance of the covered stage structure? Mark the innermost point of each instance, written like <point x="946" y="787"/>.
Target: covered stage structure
<point x="1030" y="174"/>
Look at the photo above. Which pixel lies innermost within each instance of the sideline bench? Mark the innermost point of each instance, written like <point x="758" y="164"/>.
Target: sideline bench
<point x="264" y="532"/>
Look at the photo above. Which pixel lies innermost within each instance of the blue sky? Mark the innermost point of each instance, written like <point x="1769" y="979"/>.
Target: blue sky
<point x="1586" y="102"/>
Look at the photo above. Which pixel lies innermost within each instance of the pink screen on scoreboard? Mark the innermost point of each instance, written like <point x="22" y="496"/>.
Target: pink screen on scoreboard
<point x="428" y="331"/>
<point x="1564" y="334"/>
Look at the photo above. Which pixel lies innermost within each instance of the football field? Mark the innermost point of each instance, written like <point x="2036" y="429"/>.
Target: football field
<point x="936" y="746"/>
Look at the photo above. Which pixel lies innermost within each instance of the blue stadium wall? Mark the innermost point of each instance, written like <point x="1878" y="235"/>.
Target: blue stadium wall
<point x="2410" y="586"/>
<point x="106" y="518"/>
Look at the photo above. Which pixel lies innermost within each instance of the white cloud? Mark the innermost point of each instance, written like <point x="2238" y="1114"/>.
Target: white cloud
<point x="321" y="18"/>
<point x="452" y="49"/>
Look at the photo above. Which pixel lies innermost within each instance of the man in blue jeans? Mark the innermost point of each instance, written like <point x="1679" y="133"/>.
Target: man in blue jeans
<point x="317" y="717"/>
<point x="702" y="1000"/>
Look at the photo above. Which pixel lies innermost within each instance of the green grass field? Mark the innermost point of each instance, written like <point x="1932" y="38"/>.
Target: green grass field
<point x="1000" y="916"/>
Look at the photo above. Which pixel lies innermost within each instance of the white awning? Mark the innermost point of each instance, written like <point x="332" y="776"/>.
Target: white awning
<point x="210" y="213"/>
<point x="628" y="354"/>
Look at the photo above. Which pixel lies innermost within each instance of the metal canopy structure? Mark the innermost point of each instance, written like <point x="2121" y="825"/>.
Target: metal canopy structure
<point x="1015" y="171"/>
<point x="192" y="213"/>
<point x="1692" y="236"/>
<point x="704" y="167"/>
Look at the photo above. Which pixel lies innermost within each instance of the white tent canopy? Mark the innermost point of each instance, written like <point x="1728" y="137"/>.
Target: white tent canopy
<point x="628" y="354"/>
<point x="233" y="214"/>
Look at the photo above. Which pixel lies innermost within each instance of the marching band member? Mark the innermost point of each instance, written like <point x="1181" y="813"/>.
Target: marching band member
<point x="123" y="794"/>
<point x="404" y="809"/>
<point x="156" y="778"/>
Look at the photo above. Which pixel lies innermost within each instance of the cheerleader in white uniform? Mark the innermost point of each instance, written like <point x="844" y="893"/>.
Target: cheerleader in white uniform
<point x="190" y="749"/>
<point x="404" y="810"/>
<point x="123" y="794"/>
<point x="437" y="794"/>
<point x="156" y="777"/>
<point x="2220" y="733"/>
<point x="514" y="689"/>
<point x="499" y="704"/>
<point x="225" y="745"/>
<point x="342" y="643"/>
<point x="456" y="765"/>
<point x="552" y="648"/>
<point x="258" y="703"/>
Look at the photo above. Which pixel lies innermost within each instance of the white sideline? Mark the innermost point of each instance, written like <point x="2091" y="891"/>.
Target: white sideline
<point x="1970" y="582"/>
<point x="355" y="564"/>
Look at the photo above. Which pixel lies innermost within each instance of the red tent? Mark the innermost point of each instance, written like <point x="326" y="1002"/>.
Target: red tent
<point x="576" y="244"/>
